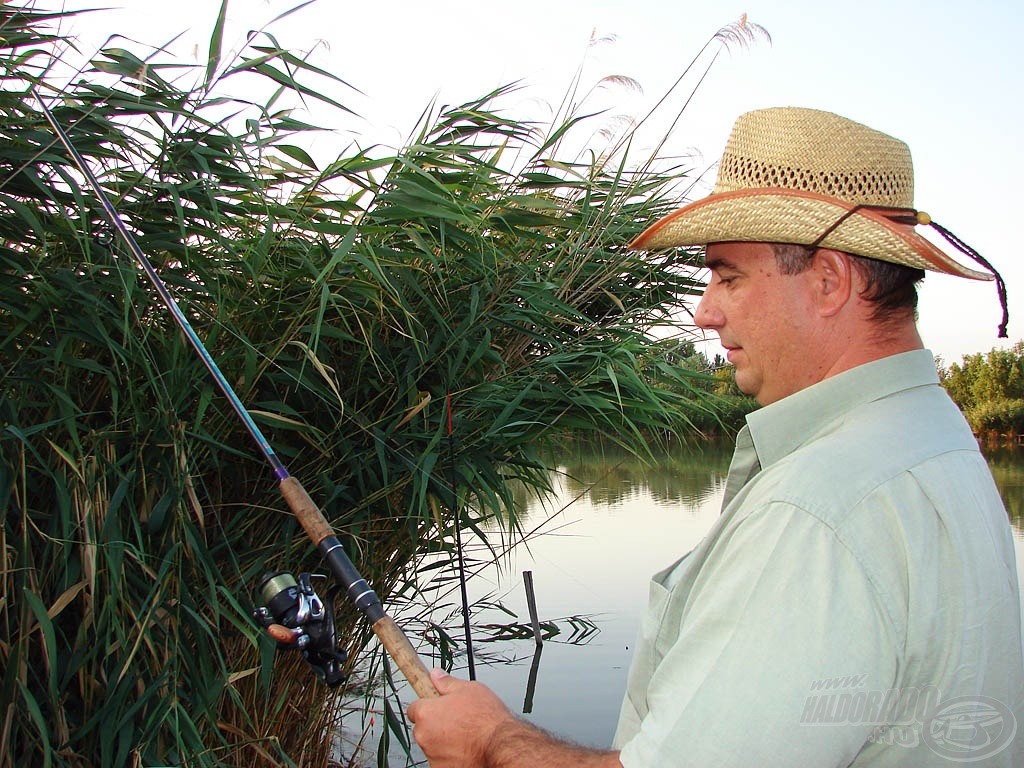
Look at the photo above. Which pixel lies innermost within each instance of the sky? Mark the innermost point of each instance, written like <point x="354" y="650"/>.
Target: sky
<point x="942" y="76"/>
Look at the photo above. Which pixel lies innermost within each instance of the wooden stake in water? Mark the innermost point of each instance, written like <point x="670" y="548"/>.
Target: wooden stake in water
<point x="531" y="603"/>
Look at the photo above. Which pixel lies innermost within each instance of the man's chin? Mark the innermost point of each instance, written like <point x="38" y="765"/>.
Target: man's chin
<point x="745" y="385"/>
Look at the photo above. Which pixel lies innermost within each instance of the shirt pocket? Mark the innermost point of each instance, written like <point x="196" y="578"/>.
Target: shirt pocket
<point x="660" y="593"/>
<point x="648" y="655"/>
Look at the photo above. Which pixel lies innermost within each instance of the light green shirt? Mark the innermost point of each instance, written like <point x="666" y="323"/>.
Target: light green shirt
<point x="861" y="575"/>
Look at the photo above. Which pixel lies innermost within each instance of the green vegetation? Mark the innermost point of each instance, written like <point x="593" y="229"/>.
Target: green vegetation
<point x="345" y="301"/>
<point x="726" y="412"/>
<point x="989" y="388"/>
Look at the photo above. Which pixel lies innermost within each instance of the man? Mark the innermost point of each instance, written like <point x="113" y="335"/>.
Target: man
<point x="856" y="604"/>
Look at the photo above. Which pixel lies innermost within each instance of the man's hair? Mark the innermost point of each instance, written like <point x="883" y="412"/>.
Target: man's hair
<point x="891" y="288"/>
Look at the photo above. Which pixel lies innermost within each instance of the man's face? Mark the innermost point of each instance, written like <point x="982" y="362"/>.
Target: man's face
<point x="763" y="318"/>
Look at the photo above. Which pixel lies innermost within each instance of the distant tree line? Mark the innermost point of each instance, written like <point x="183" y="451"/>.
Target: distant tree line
<point x="989" y="388"/>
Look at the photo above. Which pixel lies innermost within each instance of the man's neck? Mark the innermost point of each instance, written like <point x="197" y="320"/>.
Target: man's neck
<point x="867" y="343"/>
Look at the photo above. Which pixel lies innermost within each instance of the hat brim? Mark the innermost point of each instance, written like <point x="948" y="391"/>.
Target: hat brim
<point x="778" y="215"/>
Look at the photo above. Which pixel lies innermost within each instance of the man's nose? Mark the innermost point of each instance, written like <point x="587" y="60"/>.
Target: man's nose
<point x="708" y="316"/>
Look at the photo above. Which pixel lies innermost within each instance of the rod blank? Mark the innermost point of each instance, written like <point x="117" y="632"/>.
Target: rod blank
<point x="308" y="514"/>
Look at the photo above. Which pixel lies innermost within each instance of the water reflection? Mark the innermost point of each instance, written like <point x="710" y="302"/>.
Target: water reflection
<point x="1007" y="465"/>
<point x="612" y="521"/>
<point x="685" y="476"/>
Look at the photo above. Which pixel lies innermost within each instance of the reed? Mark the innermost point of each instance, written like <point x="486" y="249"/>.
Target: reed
<point x="344" y="300"/>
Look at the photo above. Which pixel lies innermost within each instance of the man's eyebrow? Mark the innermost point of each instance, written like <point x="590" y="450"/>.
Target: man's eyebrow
<point x="717" y="262"/>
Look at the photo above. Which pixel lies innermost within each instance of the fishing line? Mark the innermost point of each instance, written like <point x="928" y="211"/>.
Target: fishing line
<point x="457" y="514"/>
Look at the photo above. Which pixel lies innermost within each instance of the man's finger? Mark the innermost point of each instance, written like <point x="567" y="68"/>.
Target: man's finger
<point x="440" y="679"/>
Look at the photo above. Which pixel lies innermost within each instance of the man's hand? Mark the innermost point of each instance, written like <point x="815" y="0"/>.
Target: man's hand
<point x="468" y="726"/>
<point x="454" y="729"/>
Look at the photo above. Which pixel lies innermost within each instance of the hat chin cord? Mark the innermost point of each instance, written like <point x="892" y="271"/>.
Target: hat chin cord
<point x="964" y="248"/>
<point x="913" y="217"/>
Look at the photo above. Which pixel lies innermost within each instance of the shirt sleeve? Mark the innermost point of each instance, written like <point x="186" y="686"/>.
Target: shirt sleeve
<point x="780" y="621"/>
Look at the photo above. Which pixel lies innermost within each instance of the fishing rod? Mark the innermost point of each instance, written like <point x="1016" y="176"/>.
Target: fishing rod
<point x="312" y="520"/>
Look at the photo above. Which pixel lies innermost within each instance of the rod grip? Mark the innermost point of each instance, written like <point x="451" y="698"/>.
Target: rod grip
<point x="306" y="511"/>
<point x="400" y="649"/>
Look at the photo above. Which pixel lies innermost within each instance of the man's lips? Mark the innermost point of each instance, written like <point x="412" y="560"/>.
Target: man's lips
<point x="730" y="352"/>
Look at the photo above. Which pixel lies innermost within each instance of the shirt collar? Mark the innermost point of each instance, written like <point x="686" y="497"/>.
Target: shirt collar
<point x="780" y="428"/>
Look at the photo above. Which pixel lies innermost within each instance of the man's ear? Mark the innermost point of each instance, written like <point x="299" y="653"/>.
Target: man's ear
<point x="834" y="277"/>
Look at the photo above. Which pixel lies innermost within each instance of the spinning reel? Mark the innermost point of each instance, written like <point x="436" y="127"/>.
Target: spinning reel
<point x="296" y="617"/>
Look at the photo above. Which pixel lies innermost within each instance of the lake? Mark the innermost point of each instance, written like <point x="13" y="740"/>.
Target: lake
<point x="591" y="553"/>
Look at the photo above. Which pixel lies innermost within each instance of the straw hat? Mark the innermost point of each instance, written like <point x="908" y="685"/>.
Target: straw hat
<point x="792" y="175"/>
